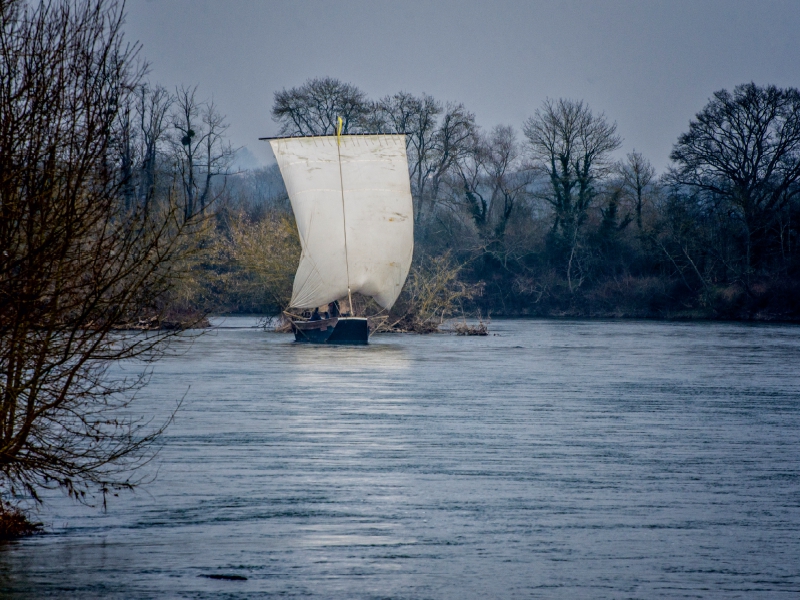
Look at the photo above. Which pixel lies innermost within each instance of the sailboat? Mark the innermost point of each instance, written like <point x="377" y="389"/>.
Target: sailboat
<point x="351" y="198"/>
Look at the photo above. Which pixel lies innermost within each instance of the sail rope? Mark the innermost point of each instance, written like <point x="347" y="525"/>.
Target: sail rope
<point x="344" y="214"/>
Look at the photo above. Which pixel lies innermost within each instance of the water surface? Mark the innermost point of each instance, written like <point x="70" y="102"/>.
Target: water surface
<point x="556" y="459"/>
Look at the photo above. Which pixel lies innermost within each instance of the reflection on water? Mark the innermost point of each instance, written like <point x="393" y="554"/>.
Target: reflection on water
<point x="557" y="459"/>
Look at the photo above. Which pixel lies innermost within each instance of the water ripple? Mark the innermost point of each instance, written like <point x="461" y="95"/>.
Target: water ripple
<point x="557" y="459"/>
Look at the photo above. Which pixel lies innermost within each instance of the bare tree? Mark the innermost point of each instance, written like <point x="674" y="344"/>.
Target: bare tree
<point x="315" y="107"/>
<point x="493" y="181"/>
<point x="139" y="139"/>
<point x="637" y="177"/>
<point x="454" y="141"/>
<point x="742" y="152"/>
<point x="76" y="259"/>
<point x="200" y="148"/>
<point x="506" y="176"/>
<point x="152" y="108"/>
<point x="572" y="146"/>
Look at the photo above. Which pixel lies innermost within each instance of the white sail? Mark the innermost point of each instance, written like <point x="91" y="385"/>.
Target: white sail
<point x="352" y="204"/>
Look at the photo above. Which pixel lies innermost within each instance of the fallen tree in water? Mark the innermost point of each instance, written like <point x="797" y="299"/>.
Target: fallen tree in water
<point x="464" y="328"/>
<point x="433" y="293"/>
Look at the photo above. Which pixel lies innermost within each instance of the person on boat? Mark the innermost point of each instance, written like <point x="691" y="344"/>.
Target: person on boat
<point x="315" y="315"/>
<point x="333" y="308"/>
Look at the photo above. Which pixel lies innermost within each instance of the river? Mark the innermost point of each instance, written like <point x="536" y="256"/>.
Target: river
<point x="551" y="459"/>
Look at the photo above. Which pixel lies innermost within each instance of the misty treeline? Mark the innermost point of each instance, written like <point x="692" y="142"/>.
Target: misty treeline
<point x="557" y="218"/>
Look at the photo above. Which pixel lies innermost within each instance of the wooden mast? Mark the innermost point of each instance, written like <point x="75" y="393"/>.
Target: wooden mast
<point x="344" y="214"/>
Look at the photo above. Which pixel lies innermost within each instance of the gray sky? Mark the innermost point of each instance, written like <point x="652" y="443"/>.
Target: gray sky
<point x="649" y="65"/>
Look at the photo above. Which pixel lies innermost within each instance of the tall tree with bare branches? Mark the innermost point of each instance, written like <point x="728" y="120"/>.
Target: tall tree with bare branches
<point x="200" y="149"/>
<point x="637" y="177"/>
<point x="572" y="146"/>
<point x="77" y="259"/>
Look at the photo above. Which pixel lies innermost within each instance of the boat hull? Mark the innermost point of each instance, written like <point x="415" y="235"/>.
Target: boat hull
<point x="351" y="331"/>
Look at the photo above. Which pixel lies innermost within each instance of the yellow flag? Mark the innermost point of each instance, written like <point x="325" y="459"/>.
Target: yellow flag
<point x="339" y="131"/>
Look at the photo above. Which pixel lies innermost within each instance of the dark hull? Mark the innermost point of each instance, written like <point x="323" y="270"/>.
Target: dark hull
<point x="342" y="330"/>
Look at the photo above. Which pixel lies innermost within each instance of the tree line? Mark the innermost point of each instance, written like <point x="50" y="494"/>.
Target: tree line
<point x="548" y="220"/>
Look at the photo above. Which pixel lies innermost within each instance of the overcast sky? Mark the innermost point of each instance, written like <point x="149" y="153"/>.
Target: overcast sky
<point x="650" y="66"/>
